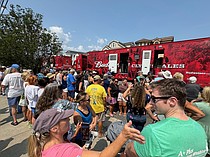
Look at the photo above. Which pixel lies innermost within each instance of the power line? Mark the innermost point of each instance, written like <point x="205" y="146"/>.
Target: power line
<point x="3" y="6"/>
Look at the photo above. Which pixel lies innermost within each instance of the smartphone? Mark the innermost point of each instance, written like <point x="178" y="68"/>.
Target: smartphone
<point x="85" y="131"/>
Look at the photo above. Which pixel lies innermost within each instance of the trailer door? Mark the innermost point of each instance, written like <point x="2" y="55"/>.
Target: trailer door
<point x="113" y="62"/>
<point x="146" y="59"/>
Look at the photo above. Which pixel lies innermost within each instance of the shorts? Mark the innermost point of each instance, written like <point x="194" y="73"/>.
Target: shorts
<point x="120" y="97"/>
<point x="111" y="100"/>
<point x="33" y="110"/>
<point x="71" y="94"/>
<point x="101" y="116"/>
<point x="13" y="101"/>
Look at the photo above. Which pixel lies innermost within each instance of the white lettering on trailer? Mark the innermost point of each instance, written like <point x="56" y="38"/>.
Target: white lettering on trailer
<point x="136" y="65"/>
<point x="173" y="66"/>
<point x="199" y="73"/>
<point x="99" y="64"/>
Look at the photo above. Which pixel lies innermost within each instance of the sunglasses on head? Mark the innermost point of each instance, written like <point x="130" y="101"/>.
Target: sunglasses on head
<point x="88" y="100"/>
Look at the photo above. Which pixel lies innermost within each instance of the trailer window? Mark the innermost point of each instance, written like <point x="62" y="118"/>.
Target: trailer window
<point x="112" y="57"/>
<point x="146" y="55"/>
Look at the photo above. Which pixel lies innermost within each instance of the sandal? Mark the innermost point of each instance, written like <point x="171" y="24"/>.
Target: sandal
<point x="25" y="119"/>
<point x="14" y="123"/>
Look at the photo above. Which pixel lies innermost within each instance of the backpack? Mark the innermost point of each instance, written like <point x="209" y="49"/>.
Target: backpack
<point x="114" y="129"/>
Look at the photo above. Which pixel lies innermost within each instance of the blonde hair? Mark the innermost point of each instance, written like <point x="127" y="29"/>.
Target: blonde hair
<point x="178" y="76"/>
<point x="80" y="97"/>
<point x="36" y="143"/>
<point x="206" y="94"/>
<point x="25" y="75"/>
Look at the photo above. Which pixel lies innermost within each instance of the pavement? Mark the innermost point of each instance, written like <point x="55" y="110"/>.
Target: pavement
<point x="14" y="139"/>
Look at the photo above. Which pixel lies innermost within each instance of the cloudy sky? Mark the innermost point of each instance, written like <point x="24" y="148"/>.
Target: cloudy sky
<point x="85" y="25"/>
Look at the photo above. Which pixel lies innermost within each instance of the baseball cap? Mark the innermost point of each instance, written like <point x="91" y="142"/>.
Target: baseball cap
<point x="50" y="75"/>
<point x="97" y="77"/>
<point x="167" y="74"/>
<point x="72" y="70"/>
<point x="16" y="66"/>
<point x="49" y="118"/>
<point x="40" y="76"/>
<point x="141" y="77"/>
<point x="193" y="79"/>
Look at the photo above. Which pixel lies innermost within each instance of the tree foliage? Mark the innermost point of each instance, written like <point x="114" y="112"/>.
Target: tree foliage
<point x="24" y="41"/>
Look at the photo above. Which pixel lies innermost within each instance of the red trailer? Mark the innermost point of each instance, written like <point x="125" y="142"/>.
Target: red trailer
<point x="190" y="57"/>
<point x="63" y="62"/>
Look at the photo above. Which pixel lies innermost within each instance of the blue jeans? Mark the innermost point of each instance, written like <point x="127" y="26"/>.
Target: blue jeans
<point x="138" y="121"/>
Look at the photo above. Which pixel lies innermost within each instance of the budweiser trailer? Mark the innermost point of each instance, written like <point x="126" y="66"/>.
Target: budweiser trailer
<point x="62" y="62"/>
<point x="190" y="57"/>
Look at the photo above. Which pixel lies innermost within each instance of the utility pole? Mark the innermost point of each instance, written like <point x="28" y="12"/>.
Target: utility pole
<point x="3" y="6"/>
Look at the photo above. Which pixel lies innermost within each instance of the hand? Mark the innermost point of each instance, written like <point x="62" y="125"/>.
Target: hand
<point x="132" y="133"/>
<point x="92" y="126"/>
<point x="130" y="86"/>
<point x="155" y="118"/>
<point x="78" y="126"/>
<point x="149" y="106"/>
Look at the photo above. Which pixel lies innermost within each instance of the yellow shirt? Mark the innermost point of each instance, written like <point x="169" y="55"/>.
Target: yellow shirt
<point x="97" y="95"/>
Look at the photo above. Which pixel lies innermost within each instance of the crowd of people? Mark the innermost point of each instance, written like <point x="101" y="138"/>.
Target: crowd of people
<point x="180" y="111"/>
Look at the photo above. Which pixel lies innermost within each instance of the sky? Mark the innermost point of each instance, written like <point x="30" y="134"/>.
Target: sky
<point x="85" y="25"/>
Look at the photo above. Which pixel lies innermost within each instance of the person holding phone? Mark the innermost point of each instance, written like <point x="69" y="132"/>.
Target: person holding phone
<point x="84" y="114"/>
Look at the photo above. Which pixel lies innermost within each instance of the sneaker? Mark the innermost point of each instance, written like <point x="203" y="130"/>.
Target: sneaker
<point x="14" y="123"/>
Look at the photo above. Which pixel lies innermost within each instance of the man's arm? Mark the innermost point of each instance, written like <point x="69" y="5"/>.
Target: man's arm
<point x="129" y="151"/>
<point x="196" y="112"/>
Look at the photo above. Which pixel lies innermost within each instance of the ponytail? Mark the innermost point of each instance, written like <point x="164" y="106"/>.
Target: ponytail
<point x="36" y="141"/>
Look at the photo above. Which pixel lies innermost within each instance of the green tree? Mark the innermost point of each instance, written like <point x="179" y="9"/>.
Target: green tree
<point x="23" y="39"/>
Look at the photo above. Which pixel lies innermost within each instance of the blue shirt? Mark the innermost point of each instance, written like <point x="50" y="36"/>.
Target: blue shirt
<point x="87" y="118"/>
<point x="70" y="80"/>
<point x="106" y="84"/>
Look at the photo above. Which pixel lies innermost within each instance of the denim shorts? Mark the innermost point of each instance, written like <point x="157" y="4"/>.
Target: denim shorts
<point x="33" y="110"/>
<point x="71" y="94"/>
<point x="13" y="101"/>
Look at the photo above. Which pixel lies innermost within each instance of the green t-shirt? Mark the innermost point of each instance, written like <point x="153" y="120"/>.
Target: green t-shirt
<point x="173" y="137"/>
<point x="205" y="107"/>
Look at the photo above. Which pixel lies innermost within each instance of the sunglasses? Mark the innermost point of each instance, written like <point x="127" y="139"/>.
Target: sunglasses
<point x="156" y="99"/>
<point x="88" y="100"/>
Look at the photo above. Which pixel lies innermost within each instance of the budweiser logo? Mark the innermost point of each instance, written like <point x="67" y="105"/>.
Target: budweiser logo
<point x="99" y="64"/>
